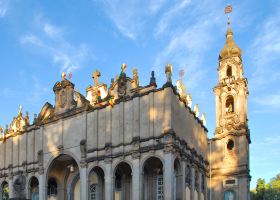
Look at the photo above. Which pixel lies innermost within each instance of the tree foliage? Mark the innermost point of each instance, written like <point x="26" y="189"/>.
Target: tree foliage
<point x="269" y="191"/>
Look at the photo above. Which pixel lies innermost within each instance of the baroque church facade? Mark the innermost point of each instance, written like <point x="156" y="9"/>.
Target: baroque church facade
<point x="128" y="141"/>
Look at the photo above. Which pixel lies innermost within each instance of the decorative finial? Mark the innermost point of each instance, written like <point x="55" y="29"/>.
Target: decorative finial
<point x="153" y="79"/>
<point x="203" y="119"/>
<point x="168" y="72"/>
<point x="20" y="110"/>
<point x="35" y="120"/>
<point x="135" y="78"/>
<point x="123" y="68"/>
<point x="96" y="74"/>
<point x="196" y="110"/>
<point x="26" y="119"/>
<point x="228" y="9"/>
<point x="189" y="100"/>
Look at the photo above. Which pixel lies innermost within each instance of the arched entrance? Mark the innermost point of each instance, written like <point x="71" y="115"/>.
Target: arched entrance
<point x="5" y="191"/>
<point x="153" y="181"/>
<point x="96" y="184"/>
<point x="123" y="179"/>
<point x="63" y="179"/>
<point x="34" y="188"/>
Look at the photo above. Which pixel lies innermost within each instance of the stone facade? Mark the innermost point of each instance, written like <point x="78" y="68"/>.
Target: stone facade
<point x="126" y="142"/>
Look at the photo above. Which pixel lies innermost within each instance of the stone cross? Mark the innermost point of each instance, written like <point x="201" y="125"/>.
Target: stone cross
<point x="95" y="76"/>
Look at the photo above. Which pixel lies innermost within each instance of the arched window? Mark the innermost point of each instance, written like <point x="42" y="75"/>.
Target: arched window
<point x="5" y="191"/>
<point x="229" y="104"/>
<point x="229" y="71"/>
<point x="229" y="195"/>
<point x="230" y="144"/>
<point x="96" y="184"/>
<point x="52" y="187"/>
<point x="123" y="181"/>
<point x="34" y="188"/>
<point x="153" y="184"/>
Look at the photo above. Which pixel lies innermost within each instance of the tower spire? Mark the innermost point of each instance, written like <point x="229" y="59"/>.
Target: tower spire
<point x="230" y="48"/>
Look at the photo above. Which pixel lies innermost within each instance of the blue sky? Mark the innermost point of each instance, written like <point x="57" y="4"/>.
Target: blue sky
<point x="41" y="39"/>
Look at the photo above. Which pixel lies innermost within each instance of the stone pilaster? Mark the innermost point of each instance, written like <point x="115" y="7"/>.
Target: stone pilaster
<point x="108" y="180"/>
<point x="84" y="182"/>
<point x="136" y="178"/>
<point x="11" y="187"/>
<point x="42" y="185"/>
<point x="168" y="175"/>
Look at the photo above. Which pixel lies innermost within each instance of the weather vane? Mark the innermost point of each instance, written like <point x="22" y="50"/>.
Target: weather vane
<point x="228" y="9"/>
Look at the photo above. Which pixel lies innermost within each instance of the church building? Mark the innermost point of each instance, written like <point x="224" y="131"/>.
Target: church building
<point x="131" y="142"/>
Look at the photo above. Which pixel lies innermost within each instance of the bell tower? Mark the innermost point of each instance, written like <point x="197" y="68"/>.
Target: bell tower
<point x="229" y="149"/>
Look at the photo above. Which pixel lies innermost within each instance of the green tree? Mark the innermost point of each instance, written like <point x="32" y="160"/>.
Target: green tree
<point x="260" y="189"/>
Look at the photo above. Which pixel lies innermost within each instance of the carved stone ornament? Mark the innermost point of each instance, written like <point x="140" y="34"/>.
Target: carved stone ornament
<point x="122" y="86"/>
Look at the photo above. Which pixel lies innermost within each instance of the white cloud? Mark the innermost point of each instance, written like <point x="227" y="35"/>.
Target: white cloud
<point x="130" y="17"/>
<point x="3" y="7"/>
<point x="156" y="5"/>
<point x="271" y="100"/>
<point x="38" y="92"/>
<point x="265" y="52"/>
<point x="51" y="40"/>
<point x="188" y="45"/>
<point x="171" y="14"/>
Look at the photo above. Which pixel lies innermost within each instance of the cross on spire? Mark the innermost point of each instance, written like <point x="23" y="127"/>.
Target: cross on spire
<point x="95" y="76"/>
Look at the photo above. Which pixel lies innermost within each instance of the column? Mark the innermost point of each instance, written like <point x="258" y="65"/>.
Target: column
<point x="108" y="180"/>
<point x="136" y="179"/>
<point x="84" y="182"/>
<point x="42" y="186"/>
<point x="192" y="182"/>
<point x="11" y="187"/>
<point x="168" y="175"/>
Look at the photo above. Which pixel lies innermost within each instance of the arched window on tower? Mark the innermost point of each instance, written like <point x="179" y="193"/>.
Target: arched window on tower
<point x="230" y="104"/>
<point x="229" y="71"/>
